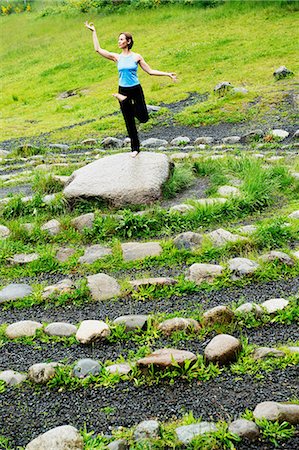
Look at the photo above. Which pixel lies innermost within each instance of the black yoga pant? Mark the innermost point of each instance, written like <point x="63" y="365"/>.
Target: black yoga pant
<point x="133" y="106"/>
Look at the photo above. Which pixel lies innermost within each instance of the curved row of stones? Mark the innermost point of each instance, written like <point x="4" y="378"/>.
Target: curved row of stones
<point x="67" y="437"/>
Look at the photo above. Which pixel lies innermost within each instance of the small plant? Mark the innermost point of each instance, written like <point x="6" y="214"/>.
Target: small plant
<point x="181" y="178"/>
<point x="275" y="431"/>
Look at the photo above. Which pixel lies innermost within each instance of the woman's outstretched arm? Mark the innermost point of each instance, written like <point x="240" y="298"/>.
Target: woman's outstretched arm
<point x="153" y="72"/>
<point x="97" y="47"/>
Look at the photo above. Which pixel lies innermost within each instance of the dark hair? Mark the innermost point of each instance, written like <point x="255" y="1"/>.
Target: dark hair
<point x="129" y="37"/>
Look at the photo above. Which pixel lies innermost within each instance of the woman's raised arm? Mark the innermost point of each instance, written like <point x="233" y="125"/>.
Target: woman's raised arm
<point x="153" y="72"/>
<point x="97" y="47"/>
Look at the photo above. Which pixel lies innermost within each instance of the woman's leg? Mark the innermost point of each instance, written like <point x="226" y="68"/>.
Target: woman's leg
<point x="128" y="112"/>
<point x="140" y="108"/>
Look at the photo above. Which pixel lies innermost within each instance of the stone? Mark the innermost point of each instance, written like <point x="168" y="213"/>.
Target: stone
<point x="206" y="140"/>
<point x="14" y="291"/>
<point x="63" y="147"/>
<point x="186" y="433"/>
<point x="4" y="232"/>
<point x="281" y="134"/>
<point x="12" y="378"/>
<point x="274" y="304"/>
<point x="64" y="437"/>
<point x="3" y="153"/>
<point x="29" y="227"/>
<point x="239" y="90"/>
<point x="294" y="215"/>
<point x="120" y="179"/>
<point x="22" y="329"/>
<point x="153" y="143"/>
<point x="248" y="308"/>
<point x="93" y="253"/>
<point x="139" y="250"/>
<point x="231" y="140"/>
<point x="251" y="136"/>
<point x="61" y="329"/>
<point x="121" y="369"/>
<point x="148" y="429"/>
<point x="274" y="255"/>
<point x="153" y="108"/>
<point x="228" y="191"/>
<point x="242" y="266"/>
<point x="48" y="199"/>
<point x="85" y="367"/>
<point x="83" y="221"/>
<point x="165" y="357"/>
<point x="89" y="141"/>
<point x="296" y="254"/>
<point x="132" y="322"/>
<point x="180" y="140"/>
<point x="158" y="281"/>
<point x="42" y="372"/>
<point x="275" y="411"/>
<point x="248" y="229"/>
<point x="103" y="287"/>
<point x="211" y="201"/>
<point x="91" y="331"/>
<point x="178" y="323"/>
<point x="200" y="272"/>
<point x="245" y="429"/>
<point x="111" y="142"/>
<point x="221" y="237"/>
<point x="118" y="444"/>
<point x="219" y="314"/>
<point x="266" y="352"/>
<point x="296" y="134"/>
<point x="63" y="286"/>
<point x="53" y="227"/>
<point x="62" y="179"/>
<point x="179" y="156"/>
<point x="222" y="88"/>
<point x="183" y="208"/>
<point x="188" y="240"/>
<point x="293" y="349"/>
<point x="282" y="72"/>
<point x="64" y="253"/>
<point x="222" y="349"/>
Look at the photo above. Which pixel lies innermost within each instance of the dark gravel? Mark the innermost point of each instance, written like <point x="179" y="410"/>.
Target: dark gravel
<point x="27" y="413"/>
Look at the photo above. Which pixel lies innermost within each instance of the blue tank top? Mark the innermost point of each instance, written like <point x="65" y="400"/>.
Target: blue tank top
<point x="127" y="71"/>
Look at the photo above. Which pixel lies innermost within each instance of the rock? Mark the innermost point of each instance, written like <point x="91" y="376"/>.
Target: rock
<point x="103" y="287"/>
<point x="281" y="134"/>
<point x="158" y="281"/>
<point x="63" y="147"/>
<point x="83" y="221"/>
<point x="278" y="256"/>
<point x="231" y="140"/>
<point x="148" y="429"/>
<point x="61" y="329"/>
<point x="48" y="199"/>
<point x="296" y="254"/>
<point x="219" y="314"/>
<point x="153" y="143"/>
<point x="29" y="227"/>
<point x="12" y="378"/>
<point x="3" y="153"/>
<point x="180" y="140"/>
<point x="183" y="208"/>
<point x="248" y="308"/>
<point x="188" y="240"/>
<point x="64" y="437"/>
<point x="93" y="253"/>
<point x="53" y="227"/>
<point x="85" y="367"/>
<point x="118" y="444"/>
<point x="222" y="88"/>
<point x="242" y="266"/>
<point x="89" y="141"/>
<point x="222" y="349"/>
<point x="266" y="352"/>
<point x="23" y="328"/>
<point x="282" y="72"/>
<point x="221" y="237"/>
<point x="64" y="253"/>
<point x="186" y="433"/>
<point x="139" y="250"/>
<point x="248" y="229"/>
<point x="200" y="272"/>
<point x="295" y="175"/>
<point x="294" y="215"/>
<point x="153" y="108"/>
<point x="43" y="372"/>
<point x="206" y="140"/>
<point x="274" y="304"/>
<point x="245" y="429"/>
<point x="293" y="349"/>
<point x="178" y="323"/>
<point x="275" y="411"/>
<point x="228" y="191"/>
<point x="179" y="156"/>
<point x="14" y="291"/>
<point x="239" y="90"/>
<point x="132" y="322"/>
<point x="254" y="135"/>
<point x="296" y="134"/>
<point x="65" y="285"/>
<point x="111" y="142"/>
<point x="120" y="179"/>
<point x="121" y="369"/>
<point x="211" y="201"/>
<point x="165" y="357"/>
<point x="4" y="232"/>
<point x="91" y="331"/>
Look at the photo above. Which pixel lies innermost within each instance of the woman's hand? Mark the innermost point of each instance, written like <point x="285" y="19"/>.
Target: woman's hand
<point x="172" y="75"/>
<point x="90" y="26"/>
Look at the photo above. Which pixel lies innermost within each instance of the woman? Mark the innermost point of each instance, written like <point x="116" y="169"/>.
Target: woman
<point x="130" y="94"/>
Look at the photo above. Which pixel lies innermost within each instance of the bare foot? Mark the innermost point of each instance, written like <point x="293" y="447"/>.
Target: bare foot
<point x="134" y="154"/>
<point x="119" y="97"/>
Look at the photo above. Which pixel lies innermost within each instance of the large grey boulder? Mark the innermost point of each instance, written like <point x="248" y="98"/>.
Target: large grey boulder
<point x="120" y="179"/>
<point x="65" y="437"/>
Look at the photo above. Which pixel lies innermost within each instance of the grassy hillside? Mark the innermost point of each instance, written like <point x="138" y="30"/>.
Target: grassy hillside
<point x="44" y="56"/>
